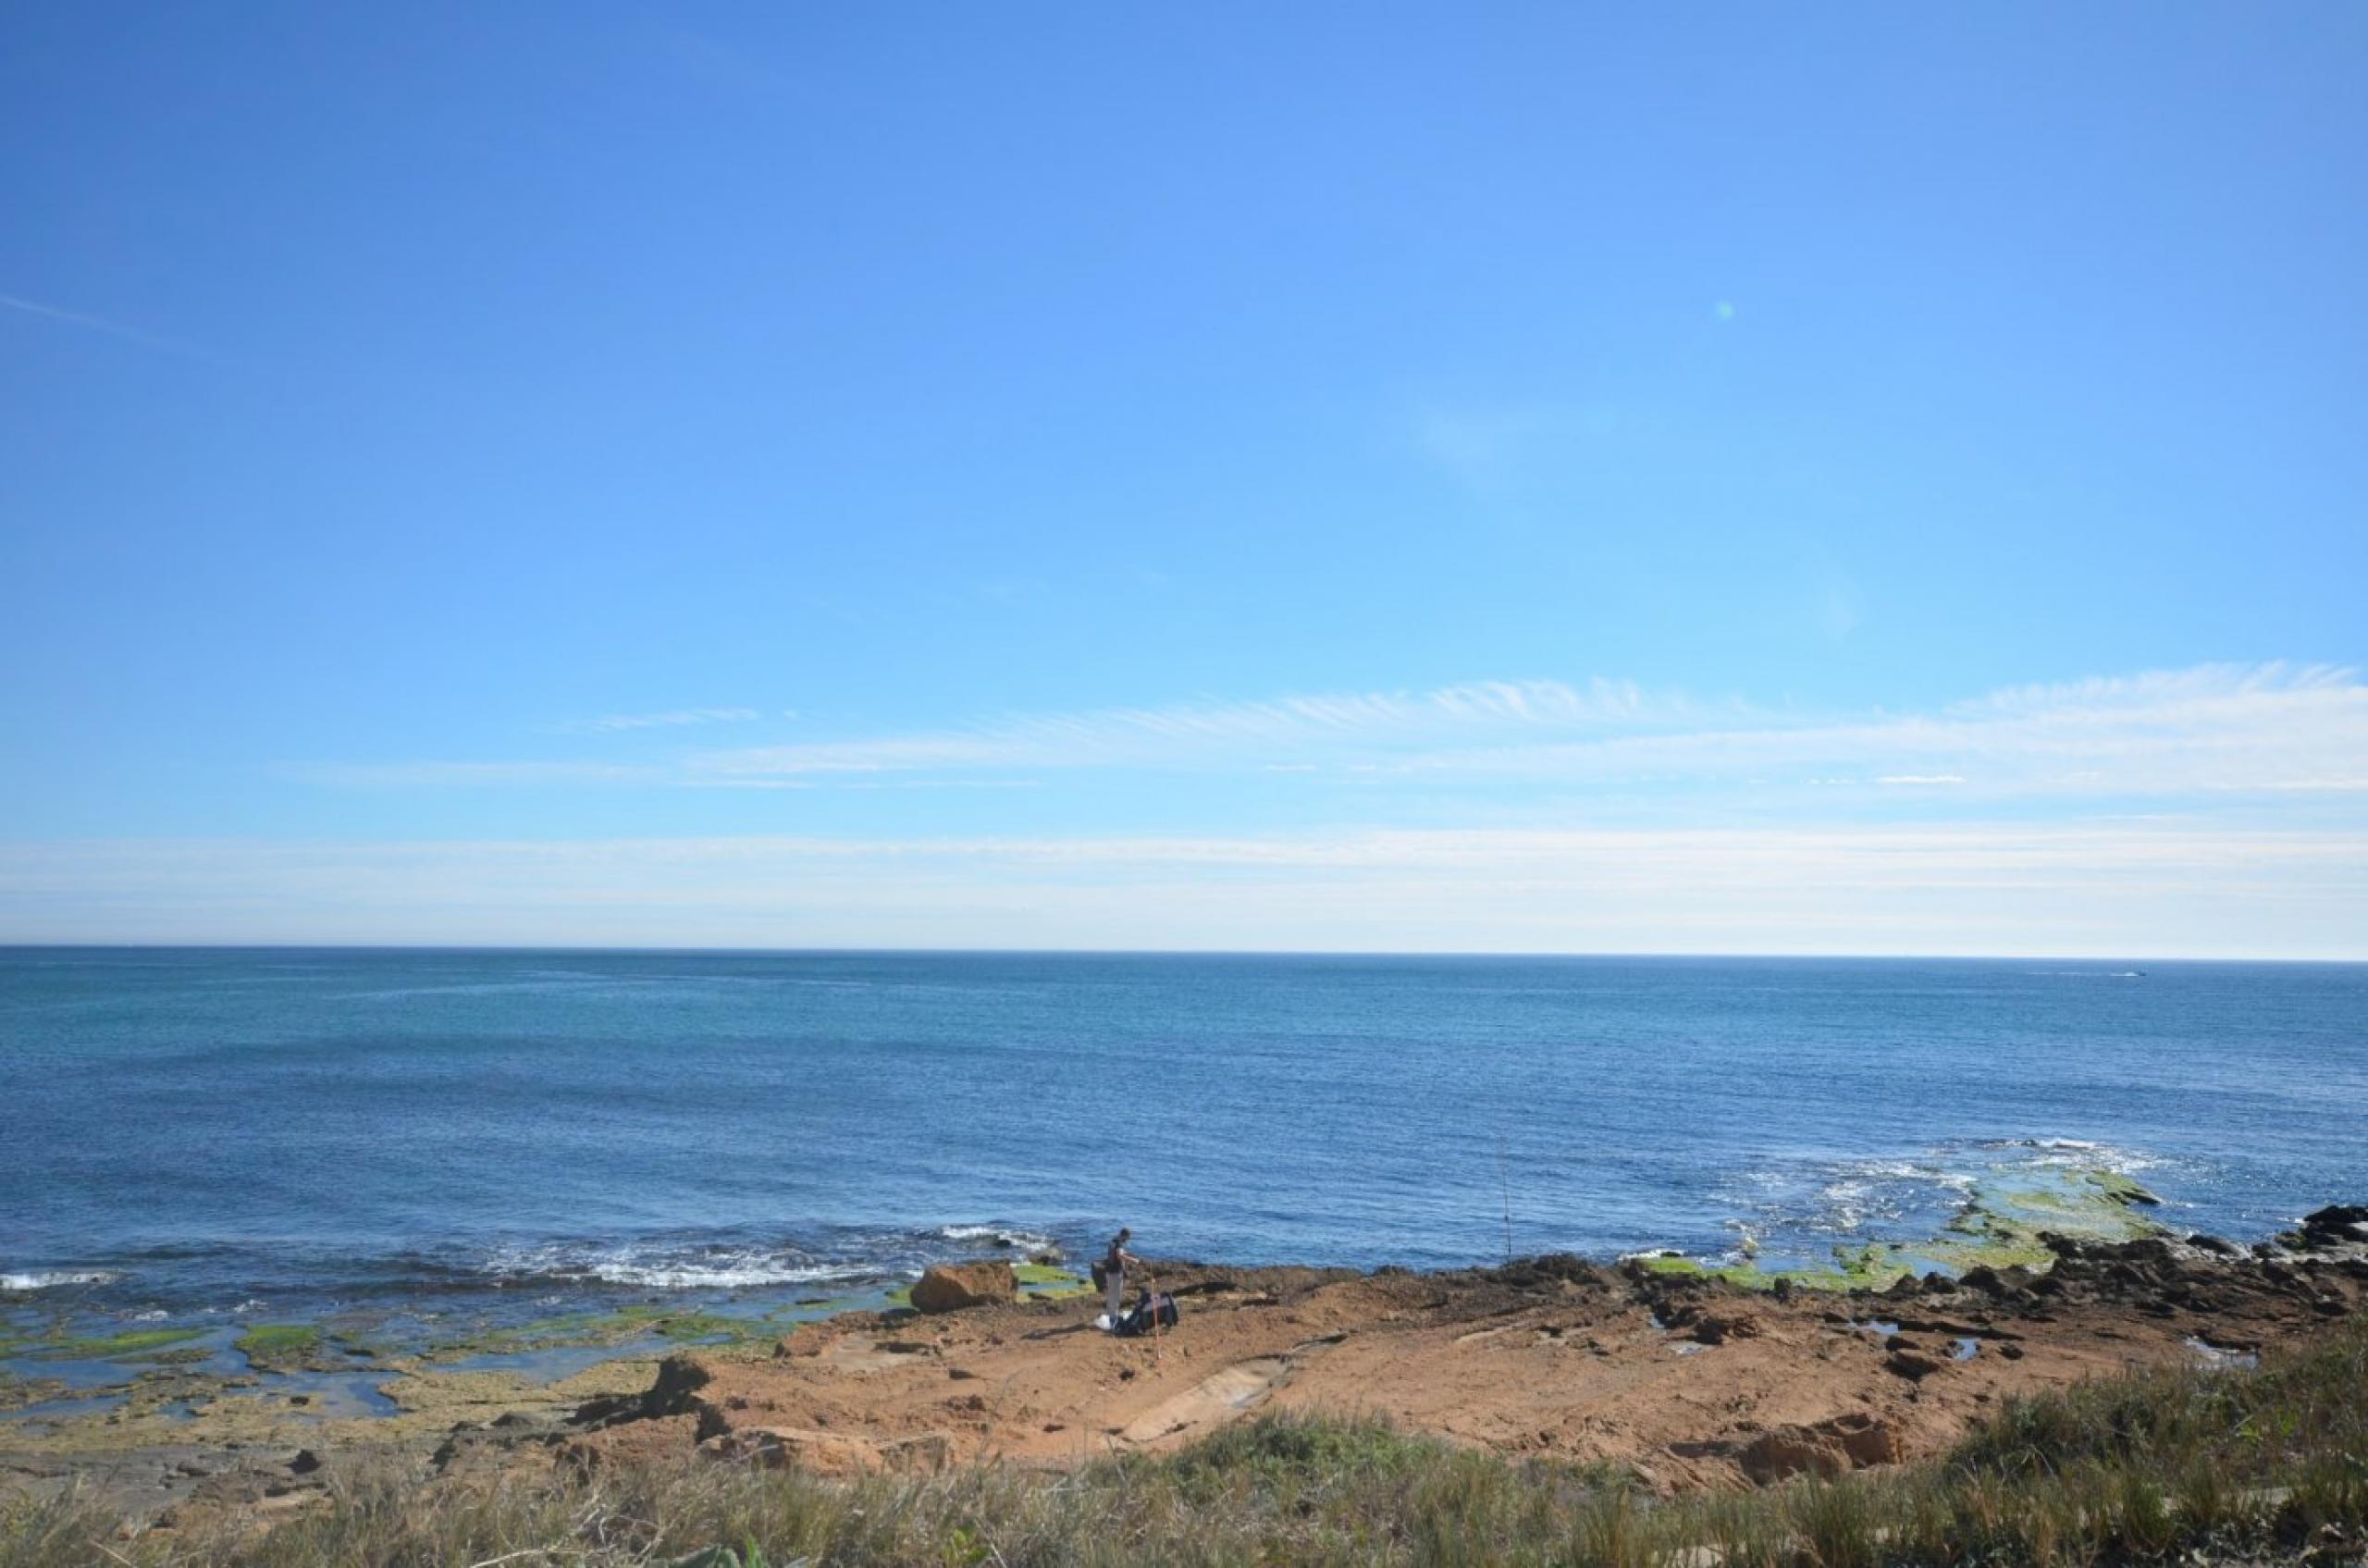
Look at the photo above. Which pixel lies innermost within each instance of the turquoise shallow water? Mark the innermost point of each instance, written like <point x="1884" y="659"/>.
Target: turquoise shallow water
<point x="203" y="1134"/>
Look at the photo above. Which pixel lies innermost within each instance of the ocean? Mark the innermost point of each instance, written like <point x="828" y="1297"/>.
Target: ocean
<point x="202" y="1135"/>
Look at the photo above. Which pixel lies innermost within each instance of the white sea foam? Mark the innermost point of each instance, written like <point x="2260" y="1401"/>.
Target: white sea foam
<point x="725" y="1265"/>
<point x="1008" y="1235"/>
<point x="667" y="1269"/>
<point x="2070" y="1155"/>
<point x="720" y="1275"/>
<point x="2056" y="1154"/>
<point x="1807" y="1205"/>
<point x="47" y="1279"/>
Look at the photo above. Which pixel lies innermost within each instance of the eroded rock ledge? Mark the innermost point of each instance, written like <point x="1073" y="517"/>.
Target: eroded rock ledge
<point x="1688" y="1377"/>
<point x="1685" y="1377"/>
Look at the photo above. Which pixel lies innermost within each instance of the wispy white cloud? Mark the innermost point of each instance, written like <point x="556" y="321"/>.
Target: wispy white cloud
<point x="679" y="717"/>
<point x="2212" y="731"/>
<point x="1617" y="820"/>
<point x="96" y="324"/>
<point x="1201" y="734"/>
<point x="2121" y="886"/>
<point x="2157" y="690"/>
<point x="2216" y="728"/>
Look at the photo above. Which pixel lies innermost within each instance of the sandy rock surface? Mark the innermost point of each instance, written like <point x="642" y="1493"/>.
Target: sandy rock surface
<point x="1687" y="1381"/>
<point x="1684" y="1381"/>
<point x="952" y="1287"/>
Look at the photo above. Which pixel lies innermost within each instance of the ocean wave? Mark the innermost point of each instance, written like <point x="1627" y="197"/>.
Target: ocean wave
<point x="1803" y="1208"/>
<point x="731" y="1262"/>
<point x="48" y="1280"/>
<point x="667" y="1277"/>
<point x="1001" y="1235"/>
<point x="2072" y="1154"/>
<point x="660" y="1267"/>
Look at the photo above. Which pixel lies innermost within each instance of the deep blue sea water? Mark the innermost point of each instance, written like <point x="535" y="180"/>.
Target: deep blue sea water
<point x="262" y="1131"/>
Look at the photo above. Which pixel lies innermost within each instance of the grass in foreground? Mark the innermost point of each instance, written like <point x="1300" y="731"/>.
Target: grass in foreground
<point x="2236" y="1465"/>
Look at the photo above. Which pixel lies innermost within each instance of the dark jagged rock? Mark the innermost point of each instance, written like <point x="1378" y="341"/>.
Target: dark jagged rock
<point x="674" y="1392"/>
<point x="2338" y="1225"/>
<point x="680" y="1378"/>
<point x="1553" y="1268"/>
<point x="1718" y="1328"/>
<point x="1913" y="1366"/>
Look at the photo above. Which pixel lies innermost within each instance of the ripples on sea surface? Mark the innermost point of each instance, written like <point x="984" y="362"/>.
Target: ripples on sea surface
<point x="210" y="1129"/>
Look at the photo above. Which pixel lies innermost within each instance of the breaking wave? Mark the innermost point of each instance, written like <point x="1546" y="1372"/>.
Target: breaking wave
<point x="664" y="1268"/>
<point x="1803" y="1209"/>
<point x="696" y="1264"/>
<point x="48" y="1280"/>
<point x="999" y="1235"/>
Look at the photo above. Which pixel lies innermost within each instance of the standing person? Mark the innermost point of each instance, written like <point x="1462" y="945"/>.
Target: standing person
<point x="1114" y="1272"/>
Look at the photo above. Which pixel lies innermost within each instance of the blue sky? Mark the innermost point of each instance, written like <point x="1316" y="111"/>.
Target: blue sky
<point x="1840" y="480"/>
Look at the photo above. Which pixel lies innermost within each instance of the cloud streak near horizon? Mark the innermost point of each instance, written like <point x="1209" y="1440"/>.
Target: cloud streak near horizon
<point x="2270" y="726"/>
<point x="2219" y="810"/>
<point x="2128" y="888"/>
<point x="2216" y="729"/>
<point x="1197" y="734"/>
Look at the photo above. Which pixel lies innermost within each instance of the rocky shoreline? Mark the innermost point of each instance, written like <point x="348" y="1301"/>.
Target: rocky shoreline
<point x="1684" y="1376"/>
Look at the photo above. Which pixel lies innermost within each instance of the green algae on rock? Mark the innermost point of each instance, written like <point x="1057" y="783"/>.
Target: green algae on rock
<point x="617" y="1327"/>
<point x="279" y="1346"/>
<point x="1042" y="1281"/>
<point x="131" y="1343"/>
<point x="2003" y="1223"/>
<point x="1751" y="1277"/>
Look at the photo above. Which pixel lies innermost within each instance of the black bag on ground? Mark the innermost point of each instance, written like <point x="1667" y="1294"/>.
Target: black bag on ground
<point x="1152" y="1312"/>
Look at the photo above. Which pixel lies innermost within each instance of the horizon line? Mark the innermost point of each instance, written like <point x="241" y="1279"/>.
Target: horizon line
<point x="657" y="950"/>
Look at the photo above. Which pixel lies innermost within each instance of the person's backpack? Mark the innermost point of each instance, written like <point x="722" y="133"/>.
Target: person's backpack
<point x="1152" y="1312"/>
